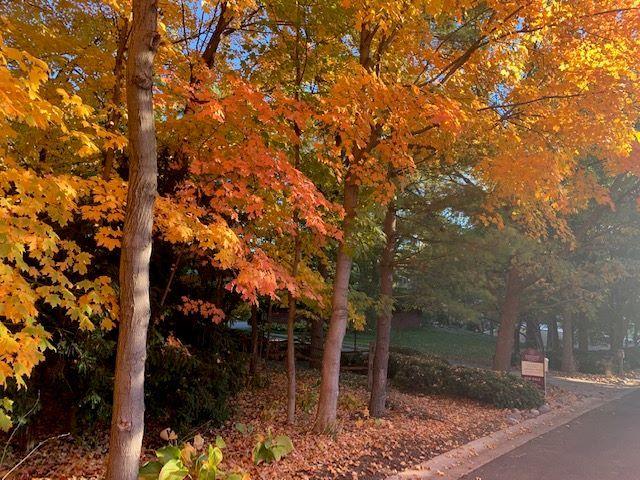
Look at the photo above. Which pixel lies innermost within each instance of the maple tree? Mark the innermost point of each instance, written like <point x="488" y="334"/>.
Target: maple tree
<point x="127" y="418"/>
<point x="40" y="265"/>
<point x="280" y="132"/>
<point x="524" y="117"/>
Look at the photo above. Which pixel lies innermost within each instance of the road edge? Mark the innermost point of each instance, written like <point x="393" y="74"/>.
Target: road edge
<point x="465" y="459"/>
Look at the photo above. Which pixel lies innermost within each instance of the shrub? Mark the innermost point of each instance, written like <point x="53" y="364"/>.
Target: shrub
<point x="632" y="358"/>
<point x="500" y="389"/>
<point x="192" y="461"/>
<point x="419" y="372"/>
<point x="187" y="387"/>
<point x="599" y="362"/>
<point x="184" y="386"/>
<point x="271" y="449"/>
<point x="434" y="375"/>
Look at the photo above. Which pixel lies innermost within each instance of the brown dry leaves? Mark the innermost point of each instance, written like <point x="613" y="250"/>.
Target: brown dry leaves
<point x="416" y="429"/>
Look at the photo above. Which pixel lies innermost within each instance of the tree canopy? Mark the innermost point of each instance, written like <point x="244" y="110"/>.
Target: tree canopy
<point x="501" y="135"/>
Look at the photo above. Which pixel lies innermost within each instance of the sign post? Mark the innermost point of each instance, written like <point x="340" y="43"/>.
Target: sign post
<point x="533" y="368"/>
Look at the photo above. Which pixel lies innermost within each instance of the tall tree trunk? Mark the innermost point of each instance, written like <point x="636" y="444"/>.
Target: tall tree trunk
<point x="619" y="331"/>
<point x="317" y="328"/>
<point x="568" y="361"/>
<point x="539" y="341"/>
<point x="553" y="338"/>
<point x="534" y="339"/>
<point x="329" y="387"/>
<point x="113" y="118"/>
<point x="254" y="360"/>
<point x="268" y="322"/>
<point x="516" y="340"/>
<point x="127" y="420"/>
<point x="291" y="318"/>
<point x="378" y="397"/>
<point x="317" y="339"/>
<point x="509" y="312"/>
<point x="583" y="336"/>
<point x="291" y="345"/>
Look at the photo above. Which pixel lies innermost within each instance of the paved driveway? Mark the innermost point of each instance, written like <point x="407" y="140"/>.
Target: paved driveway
<point x="603" y="444"/>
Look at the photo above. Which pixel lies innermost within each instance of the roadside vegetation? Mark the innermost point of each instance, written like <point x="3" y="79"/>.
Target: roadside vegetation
<point x="199" y="198"/>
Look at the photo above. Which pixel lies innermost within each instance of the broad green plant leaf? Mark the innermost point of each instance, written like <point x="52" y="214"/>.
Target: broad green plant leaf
<point x="150" y="471"/>
<point x="170" y="452"/>
<point x="173" y="470"/>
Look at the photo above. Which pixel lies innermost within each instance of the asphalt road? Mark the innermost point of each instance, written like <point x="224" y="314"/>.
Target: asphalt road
<point x="603" y="444"/>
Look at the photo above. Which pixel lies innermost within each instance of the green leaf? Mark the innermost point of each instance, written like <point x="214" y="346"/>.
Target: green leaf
<point x="5" y="421"/>
<point x="262" y="454"/>
<point x="173" y="470"/>
<point x="220" y="442"/>
<point x="6" y="406"/>
<point x="205" y="473"/>
<point x="256" y="454"/>
<point x="150" y="471"/>
<point x="170" y="452"/>
<point x="215" y="456"/>
<point x="200" y="461"/>
<point x="271" y="449"/>
<point x="282" y="446"/>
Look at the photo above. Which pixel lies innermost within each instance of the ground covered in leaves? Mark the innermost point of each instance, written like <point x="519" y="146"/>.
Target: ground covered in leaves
<point x="417" y="428"/>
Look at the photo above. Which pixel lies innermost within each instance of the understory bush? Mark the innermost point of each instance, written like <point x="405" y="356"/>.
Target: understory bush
<point x="599" y="362"/>
<point x="604" y="362"/>
<point x="189" y="386"/>
<point x="429" y="374"/>
<point x="192" y="460"/>
<point x="632" y="358"/>
<point x="186" y="384"/>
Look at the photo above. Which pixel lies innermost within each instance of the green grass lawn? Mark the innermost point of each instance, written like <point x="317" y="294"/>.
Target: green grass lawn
<point x="455" y="344"/>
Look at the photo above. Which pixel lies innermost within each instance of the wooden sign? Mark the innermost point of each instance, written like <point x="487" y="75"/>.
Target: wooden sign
<point x="533" y="367"/>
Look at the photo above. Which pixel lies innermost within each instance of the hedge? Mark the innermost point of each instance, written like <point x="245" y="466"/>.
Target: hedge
<point x="419" y="373"/>
<point x="602" y="362"/>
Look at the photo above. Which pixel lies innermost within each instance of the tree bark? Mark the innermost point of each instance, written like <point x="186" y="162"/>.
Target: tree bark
<point x="568" y="361"/>
<point x="378" y="398"/>
<point x="619" y="331"/>
<point x="329" y="387"/>
<point x="583" y="336"/>
<point x="127" y="420"/>
<point x="113" y="118"/>
<point x="317" y="338"/>
<point x="317" y="328"/>
<point x="509" y="312"/>
<point x="553" y="338"/>
<point x="516" y="340"/>
<point x="255" y="342"/>
<point x="224" y="20"/>
<point x="267" y="341"/>
<point x="291" y="320"/>
<point x="534" y="339"/>
<point x="291" y="341"/>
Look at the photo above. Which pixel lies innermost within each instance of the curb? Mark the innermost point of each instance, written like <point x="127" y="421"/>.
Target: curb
<point x="465" y="459"/>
